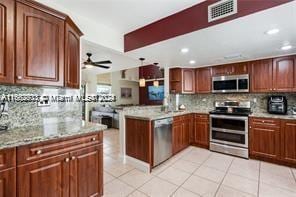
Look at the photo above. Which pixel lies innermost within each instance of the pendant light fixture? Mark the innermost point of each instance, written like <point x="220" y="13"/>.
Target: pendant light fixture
<point x="155" y="82"/>
<point x="142" y="81"/>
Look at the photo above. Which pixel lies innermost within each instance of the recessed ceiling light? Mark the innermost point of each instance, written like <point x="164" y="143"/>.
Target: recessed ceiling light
<point x="272" y="31"/>
<point x="185" y="50"/>
<point x="191" y="62"/>
<point x="286" y="47"/>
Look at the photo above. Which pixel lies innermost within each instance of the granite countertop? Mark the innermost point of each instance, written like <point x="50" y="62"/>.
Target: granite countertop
<point x="28" y="135"/>
<point x="278" y="116"/>
<point x="161" y="115"/>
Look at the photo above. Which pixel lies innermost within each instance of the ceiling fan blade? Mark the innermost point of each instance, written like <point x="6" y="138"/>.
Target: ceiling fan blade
<point x="102" y="66"/>
<point x="104" y="62"/>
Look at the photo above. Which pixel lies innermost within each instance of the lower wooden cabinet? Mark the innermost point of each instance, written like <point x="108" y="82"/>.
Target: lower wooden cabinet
<point x="86" y="170"/>
<point x="76" y="171"/>
<point x="273" y="140"/>
<point x="201" y="131"/>
<point x="264" y="138"/>
<point x="182" y="127"/>
<point x="8" y="183"/>
<point x="288" y="141"/>
<point x="49" y="177"/>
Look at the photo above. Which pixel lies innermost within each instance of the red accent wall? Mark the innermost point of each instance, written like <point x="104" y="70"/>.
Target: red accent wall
<point x="189" y="20"/>
<point x="150" y="72"/>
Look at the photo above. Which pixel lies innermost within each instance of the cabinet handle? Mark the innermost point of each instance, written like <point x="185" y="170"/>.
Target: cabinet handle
<point x="19" y="77"/>
<point x="73" y="158"/>
<point x="67" y="160"/>
<point x="39" y="152"/>
<point x="93" y="139"/>
<point x="263" y="121"/>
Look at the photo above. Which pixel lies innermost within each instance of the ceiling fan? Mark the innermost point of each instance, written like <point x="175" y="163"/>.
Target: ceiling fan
<point x="89" y="63"/>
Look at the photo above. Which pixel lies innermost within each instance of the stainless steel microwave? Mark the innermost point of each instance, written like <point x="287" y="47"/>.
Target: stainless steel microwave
<point x="232" y="83"/>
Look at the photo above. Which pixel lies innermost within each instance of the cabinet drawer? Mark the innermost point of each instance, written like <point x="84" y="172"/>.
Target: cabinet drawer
<point x="265" y="122"/>
<point x="202" y="117"/>
<point x="33" y="152"/>
<point x="7" y="158"/>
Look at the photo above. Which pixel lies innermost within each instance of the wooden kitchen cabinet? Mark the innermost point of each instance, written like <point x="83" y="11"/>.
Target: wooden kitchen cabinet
<point x="203" y="80"/>
<point x="138" y="135"/>
<point x="201" y="131"/>
<point x="261" y="75"/>
<point x="264" y="138"/>
<point x="8" y="183"/>
<point x="7" y="173"/>
<point x="72" y="55"/>
<point x="62" y="167"/>
<point x="49" y="177"/>
<point x="182" y="127"/>
<point x="182" y="80"/>
<point x="7" y="41"/>
<point x="231" y="69"/>
<point x="288" y="141"/>
<point x="39" y="46"/>
<point x="284" y="70"/>
<point x="86" y="172"/>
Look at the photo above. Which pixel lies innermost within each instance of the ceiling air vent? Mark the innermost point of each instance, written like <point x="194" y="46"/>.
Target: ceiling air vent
<point x="222" y="9"/>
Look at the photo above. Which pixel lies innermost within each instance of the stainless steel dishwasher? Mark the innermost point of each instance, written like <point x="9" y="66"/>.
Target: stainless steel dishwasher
<point x="162" y="131"/>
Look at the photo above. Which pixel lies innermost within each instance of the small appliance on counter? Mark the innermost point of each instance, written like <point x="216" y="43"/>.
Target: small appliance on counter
<point x="277" y="105"/>
<point x="182" y="107"/>
<point x="293" y="110"/>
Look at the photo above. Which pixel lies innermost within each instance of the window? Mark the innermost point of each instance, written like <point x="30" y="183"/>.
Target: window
<point x="103" y="89"/>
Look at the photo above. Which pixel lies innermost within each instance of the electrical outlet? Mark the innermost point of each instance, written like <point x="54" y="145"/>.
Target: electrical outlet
<point x="44" y="102"/>
<point x="3" y="107"/>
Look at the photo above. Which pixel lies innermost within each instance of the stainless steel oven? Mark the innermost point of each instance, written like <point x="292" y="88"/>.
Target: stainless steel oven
<point x="233" y="83"/>
<point x="229" y="134"/>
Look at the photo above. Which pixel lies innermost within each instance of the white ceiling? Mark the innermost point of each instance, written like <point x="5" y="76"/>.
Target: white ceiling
<point x="124" y="15"/>
<point x="99" y="53"/>
<point x="245" y="36"/>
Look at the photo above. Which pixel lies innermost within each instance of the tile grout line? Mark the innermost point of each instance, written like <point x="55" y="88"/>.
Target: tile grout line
<point x="224" y="177"/>
<point x="294" y="175"/>
<point x="192" y="174"/>
<point x="259" y="179"/>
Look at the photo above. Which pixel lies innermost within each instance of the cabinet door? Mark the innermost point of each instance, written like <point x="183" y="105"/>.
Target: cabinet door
<point x="46" y="178"/>
<point x="188" y="81"/>
<point x="175" y="80"/>
<point x="7" y="41"/>
<point x="187" y="126"/>
<point x="284" y="74"/>
<point x="203" y="78"/>
<point x="288" y="141"/>
<point x="177" y="136"/>
<point x="86" y="172"/>
<point x="261" y="75"/>
<point x="39" y="47"/>
<point x="72" y="57"/>
<point x="7" y="183"/>
<point x="264" y="141"/>
<point x="201" y="132"/>
<point x="222" y="70"/>
<point x="240" y="68"/>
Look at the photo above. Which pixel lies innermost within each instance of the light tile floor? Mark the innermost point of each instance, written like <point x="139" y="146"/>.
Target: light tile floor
<point x="195" y="172"/>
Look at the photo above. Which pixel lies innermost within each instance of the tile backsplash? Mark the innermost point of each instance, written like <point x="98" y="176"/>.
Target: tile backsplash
<point x="206" y="101"/>
<point x="28" y="113"/>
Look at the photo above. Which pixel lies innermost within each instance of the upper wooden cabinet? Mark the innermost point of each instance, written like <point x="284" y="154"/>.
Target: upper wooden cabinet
<point x="39" y="48"/>
<point x="182" y="80"/>
<point x="231" y="69"/>
<point x="261" y="75"/>
<point x="284" y="71"/>
<point x="7" y="41"/>
<point x="42" y="44"/>
<point x="274" y="75"/>
<point x="72" y="54"/>
<point x="203" y="80"/>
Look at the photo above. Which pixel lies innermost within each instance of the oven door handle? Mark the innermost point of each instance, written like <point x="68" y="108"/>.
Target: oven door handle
<point x="229" y="131"/>
<point x="230" y="117"/>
